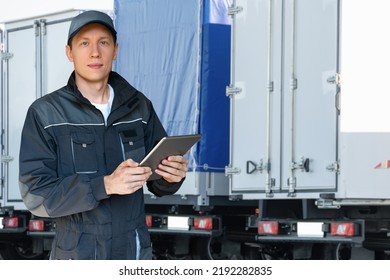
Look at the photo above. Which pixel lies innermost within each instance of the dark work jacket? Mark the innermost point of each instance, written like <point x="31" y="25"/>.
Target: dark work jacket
<point x="66" y="150"/>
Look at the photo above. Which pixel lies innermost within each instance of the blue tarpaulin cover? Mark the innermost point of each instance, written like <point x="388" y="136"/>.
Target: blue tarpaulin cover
<point x="177" y="52"/>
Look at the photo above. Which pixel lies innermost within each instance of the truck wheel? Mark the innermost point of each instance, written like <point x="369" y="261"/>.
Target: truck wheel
<point x="215" y="248"/>
<point x="330" y="251"/>
<point x="250" y="252"/>
<point x="276" y="251"/>
<point x="200" y="248"/>
<point x="19" y="250"/>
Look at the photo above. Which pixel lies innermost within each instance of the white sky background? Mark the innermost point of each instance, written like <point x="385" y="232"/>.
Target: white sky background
<point x="11" y="10"/>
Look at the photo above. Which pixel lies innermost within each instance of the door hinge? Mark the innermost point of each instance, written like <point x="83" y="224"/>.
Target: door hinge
<point x="5" y="159"/>
<point x="336" y="79"/>
<point x="6" y="55"/>
<point x="334" y="167"/>
<point x="229" y="171"/>
<point x="230" y="90"/>
<point x="232" y="11"/>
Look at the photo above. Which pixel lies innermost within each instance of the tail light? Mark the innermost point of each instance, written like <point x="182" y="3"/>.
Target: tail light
<point x="268" y="228"/>
<point x="149" y="221"/>
<point x="36" y="225"/>
<point x="343" y="229"/>
<point x="203" y="223"/>
<point x="11" y="222"/>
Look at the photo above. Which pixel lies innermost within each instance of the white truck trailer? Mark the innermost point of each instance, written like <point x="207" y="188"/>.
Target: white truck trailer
<point x="291" y="99"/>
<point x="32" y="64"/>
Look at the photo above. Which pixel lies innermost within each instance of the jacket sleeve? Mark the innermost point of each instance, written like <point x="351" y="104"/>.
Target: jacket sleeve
<point x="44" y="193"/>
<point x="161" y="187"/>
<point x="153" y="134"/>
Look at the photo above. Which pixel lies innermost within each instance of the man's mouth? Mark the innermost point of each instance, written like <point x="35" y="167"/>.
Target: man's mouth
<point x="95" y="65"/>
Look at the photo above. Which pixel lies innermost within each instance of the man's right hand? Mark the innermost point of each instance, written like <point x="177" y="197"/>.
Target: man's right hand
<point x="127" y="178"/>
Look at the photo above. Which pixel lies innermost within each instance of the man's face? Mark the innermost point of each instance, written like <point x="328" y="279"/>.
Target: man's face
<point x="92" y="52"/>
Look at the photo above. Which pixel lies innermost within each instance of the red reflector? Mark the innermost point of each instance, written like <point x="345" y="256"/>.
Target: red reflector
<point x="149" y="221"/>
<point x="11" y="222"/>
<point x="268" y="228"/>
<point x="36" y="225"/>
<point x="342" y="229"/>
<point x="203" y="223"/>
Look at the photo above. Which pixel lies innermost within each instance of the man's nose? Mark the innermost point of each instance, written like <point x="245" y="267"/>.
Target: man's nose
<point x="95" y="50"/>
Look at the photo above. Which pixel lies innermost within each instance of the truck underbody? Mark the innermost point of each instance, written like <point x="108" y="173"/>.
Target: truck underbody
<point x="233" y="233"/>
<point x="237" y="236"/>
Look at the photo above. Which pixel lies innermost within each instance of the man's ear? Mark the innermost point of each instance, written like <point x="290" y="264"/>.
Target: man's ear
<point x="68" y="51"/>
<point x="116" y="51"/>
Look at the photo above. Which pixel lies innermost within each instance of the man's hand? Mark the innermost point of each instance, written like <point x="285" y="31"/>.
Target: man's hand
<point x="173" y="169"/>
<point x="127" y="178"/>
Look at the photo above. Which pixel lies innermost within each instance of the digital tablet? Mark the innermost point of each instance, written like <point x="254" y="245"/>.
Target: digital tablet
<point x="168" y="146"/>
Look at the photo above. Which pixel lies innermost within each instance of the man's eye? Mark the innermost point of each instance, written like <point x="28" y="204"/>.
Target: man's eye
<point x="84" y="43"/>
<point x="104" y="43"/>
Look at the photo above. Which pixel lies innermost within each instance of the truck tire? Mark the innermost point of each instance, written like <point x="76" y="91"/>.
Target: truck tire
<point x="331" y="251"/>
<point x="250" y="252"/>
<point x="215" y="248"/>
<point x="200" y="248"/>
<point x="19" y="250"/>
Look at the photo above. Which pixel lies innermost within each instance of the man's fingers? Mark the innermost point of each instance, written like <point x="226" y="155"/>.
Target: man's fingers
<point x="139" y="178"/>
<point x="129" y="163"/>
<point x="179" y="159"/>
<point x="177" y="162"/>
<point x="173" y="169"/>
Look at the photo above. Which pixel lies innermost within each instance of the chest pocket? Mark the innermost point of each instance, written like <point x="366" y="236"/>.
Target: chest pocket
<point x="133" y="145"/>
<point x="84" y="153"/>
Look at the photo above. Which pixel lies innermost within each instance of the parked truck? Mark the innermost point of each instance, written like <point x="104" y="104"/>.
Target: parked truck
<point x="290" y="97"/>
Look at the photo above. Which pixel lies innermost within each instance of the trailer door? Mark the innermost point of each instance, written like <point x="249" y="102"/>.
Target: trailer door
<point x="283" y="92"/>
<point x="20" y="92"/>
<point x="37" y="67"/>
<point x="309" y="88"/>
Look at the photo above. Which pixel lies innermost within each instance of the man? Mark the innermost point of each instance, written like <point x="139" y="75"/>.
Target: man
<point x="80" y="150"/>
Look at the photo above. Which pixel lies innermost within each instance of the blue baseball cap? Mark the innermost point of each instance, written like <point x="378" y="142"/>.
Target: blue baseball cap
<point x="85" y="18"/>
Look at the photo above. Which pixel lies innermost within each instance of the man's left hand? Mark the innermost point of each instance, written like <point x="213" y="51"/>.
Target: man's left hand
<point x="173" y="169"/>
